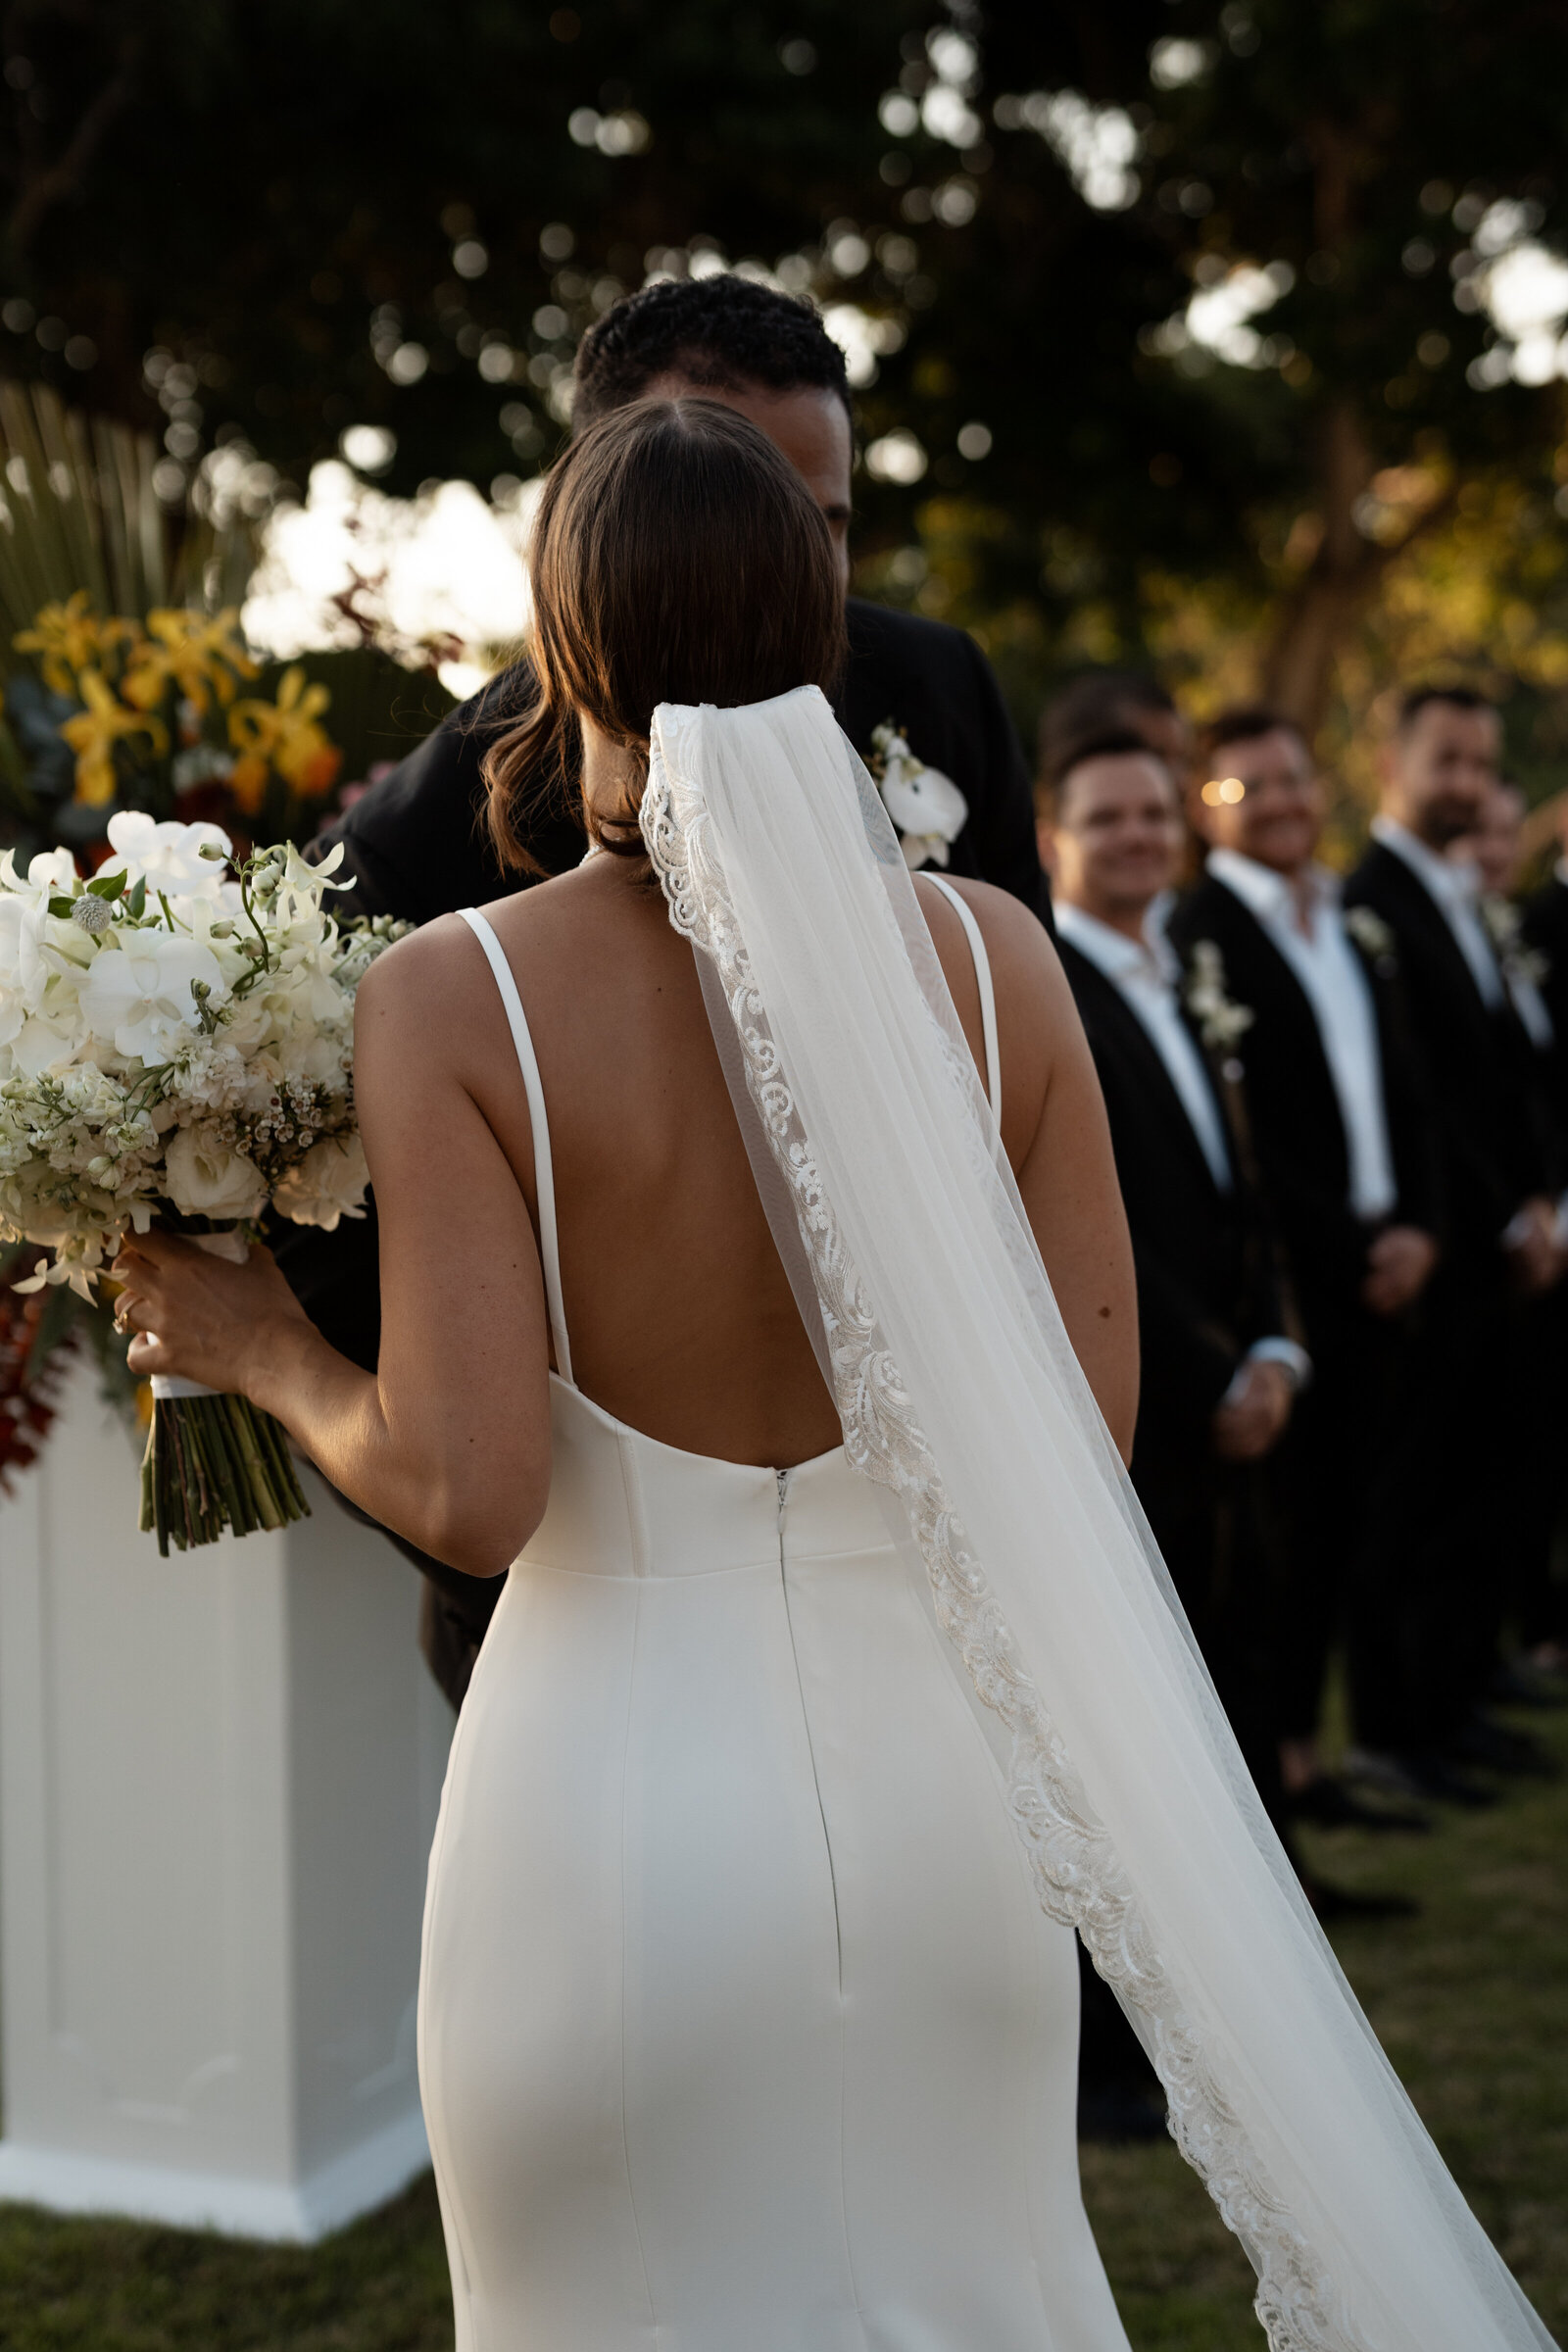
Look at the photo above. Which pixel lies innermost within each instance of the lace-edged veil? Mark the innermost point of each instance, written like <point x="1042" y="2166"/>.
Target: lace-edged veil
<point x="919" y="1281"/>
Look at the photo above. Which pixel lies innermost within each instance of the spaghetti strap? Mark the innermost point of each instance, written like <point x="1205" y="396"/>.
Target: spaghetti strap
<point x="987" y="987"/>
<point x="543" y="1169"/>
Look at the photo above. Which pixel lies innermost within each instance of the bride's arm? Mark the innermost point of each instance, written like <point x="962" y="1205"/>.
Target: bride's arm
<point x="1054" y="1131"/>
<point x="449" y="1441"/>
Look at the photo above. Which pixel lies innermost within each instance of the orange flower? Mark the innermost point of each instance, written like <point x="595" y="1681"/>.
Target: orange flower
<point x="246" y="781"/>
<point x="319" y="772"/>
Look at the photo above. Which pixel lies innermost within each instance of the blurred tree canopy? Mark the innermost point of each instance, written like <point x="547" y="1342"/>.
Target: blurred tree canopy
<point x="1228" y="335"/>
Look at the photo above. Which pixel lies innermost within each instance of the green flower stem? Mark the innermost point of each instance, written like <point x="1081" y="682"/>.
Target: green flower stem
<point x="213" y="1462"/>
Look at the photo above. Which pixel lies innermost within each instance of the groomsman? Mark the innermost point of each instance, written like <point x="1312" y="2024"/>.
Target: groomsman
<point x="1498" y="1165"/>
<point x="1533" y="946"/>
<point x="1347" y="1158"/>
<point x="1221" y="1366"/>
<point x="1108" y="701"/>
<point x="415" y="843"/>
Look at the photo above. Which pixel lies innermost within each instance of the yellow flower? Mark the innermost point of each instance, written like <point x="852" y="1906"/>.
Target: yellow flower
<point x="93" y="733"/>
<point x="285" y="734"/>
<point x="69" y="638"/>
<point x="191" y="651"/>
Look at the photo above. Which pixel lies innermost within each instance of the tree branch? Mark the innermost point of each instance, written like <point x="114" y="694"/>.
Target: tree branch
<point x="43" y="190"/>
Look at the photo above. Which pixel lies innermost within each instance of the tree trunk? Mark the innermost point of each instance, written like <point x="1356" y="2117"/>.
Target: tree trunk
<point x="1320" y="613"/>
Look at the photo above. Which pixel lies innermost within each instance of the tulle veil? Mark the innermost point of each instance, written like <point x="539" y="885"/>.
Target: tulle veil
<point x="918" y="1278"/>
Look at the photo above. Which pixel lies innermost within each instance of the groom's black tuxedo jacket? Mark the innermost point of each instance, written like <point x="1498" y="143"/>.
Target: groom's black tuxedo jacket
<point x="415" y="843"/>
<point x="1297" y="1129"/>
<point x="1208" y="1285"/>
<point x="1493" y="1123"/>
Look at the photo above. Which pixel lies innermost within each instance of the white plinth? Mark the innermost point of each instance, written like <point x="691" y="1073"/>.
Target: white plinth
<point x="218" y="1778"/>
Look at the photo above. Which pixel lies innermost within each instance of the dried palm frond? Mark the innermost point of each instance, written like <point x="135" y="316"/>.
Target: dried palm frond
<point x="79" y="509"/>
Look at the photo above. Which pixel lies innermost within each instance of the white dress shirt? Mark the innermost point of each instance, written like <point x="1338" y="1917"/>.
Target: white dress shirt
<point x="1454" y="888"/>
<point x="1146" y="971"/>
<point x="1334" y="979"/>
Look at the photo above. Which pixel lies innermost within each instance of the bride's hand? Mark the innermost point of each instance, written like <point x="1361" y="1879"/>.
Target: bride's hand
<point x="198" y="1316"/>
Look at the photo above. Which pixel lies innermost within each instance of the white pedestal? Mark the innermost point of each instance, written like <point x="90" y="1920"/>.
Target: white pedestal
<point x="218" y="1778"/>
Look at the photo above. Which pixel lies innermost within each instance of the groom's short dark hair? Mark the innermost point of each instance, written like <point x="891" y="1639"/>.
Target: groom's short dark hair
<point x="721" y="334"/>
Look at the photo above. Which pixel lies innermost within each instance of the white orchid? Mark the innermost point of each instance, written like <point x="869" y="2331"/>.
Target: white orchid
<point x="166" y="855"/>
<point x="49" y="870"/>
<point x="926" y="806"/>
<point x="23" y="973"/>
<point x="142" y="993"/>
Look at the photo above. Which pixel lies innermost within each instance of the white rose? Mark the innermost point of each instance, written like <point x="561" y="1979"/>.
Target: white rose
<point x="169" y="855"/>
<point x="140" y="993"/>
<point x="206" y="1179"/>
<point x="328" y="1184"/>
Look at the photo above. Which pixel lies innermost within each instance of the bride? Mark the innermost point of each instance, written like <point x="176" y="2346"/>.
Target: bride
<point x="756" y="1298"/>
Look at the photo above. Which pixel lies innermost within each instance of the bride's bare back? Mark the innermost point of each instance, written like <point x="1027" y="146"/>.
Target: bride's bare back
<point x="682" y="1321"/>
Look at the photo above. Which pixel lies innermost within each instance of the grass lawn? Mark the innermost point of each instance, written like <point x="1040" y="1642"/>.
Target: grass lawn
<point x="1471" y="2000"/>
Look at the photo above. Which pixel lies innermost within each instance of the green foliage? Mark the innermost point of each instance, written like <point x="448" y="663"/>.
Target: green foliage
<point x="79" y="510"/>
<point x="405" y="217"/>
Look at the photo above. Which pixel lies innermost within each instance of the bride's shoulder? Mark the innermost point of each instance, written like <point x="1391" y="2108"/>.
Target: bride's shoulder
<point x="443" y="968"/>
<point x="1018" y="946"/>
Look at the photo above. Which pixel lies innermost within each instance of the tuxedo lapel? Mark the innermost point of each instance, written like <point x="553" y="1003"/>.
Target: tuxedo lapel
<point x="1149" y="1083"/>
<point x="1391" y="880"/>
<point x="1485" y="1086"/>
<point x="1285" y="1032"/>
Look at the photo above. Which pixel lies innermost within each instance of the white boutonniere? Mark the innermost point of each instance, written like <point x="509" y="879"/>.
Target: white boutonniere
<point x="1375" y="938"/>
<point x="927" y="808"/>
<point x="1505" y="931"/>
<point x="1221" y="1021"/>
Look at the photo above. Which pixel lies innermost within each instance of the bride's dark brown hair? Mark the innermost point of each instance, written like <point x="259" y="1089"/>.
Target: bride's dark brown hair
<point x="677" y="557"/>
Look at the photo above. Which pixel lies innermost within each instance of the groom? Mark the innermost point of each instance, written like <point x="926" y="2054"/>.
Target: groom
<point x="416" y="845"/>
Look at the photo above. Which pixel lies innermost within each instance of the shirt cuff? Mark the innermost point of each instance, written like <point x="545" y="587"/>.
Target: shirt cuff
<point x="1277" y="1350"/>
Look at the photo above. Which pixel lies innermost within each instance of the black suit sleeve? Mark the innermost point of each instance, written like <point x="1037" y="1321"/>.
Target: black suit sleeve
<point x="1187" y="1361"/>
<point x="1003" y="822"/>
<point x="1413" y="1120"/>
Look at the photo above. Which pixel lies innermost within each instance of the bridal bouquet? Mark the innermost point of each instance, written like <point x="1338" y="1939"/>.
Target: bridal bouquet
<point x="177" y="1043"/>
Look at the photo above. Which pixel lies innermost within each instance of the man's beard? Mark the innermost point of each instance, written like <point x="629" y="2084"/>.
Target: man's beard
<point x="1448" y="820"/>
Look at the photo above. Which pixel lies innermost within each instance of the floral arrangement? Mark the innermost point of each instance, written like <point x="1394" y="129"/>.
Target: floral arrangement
<point x="1375" y="938"/>
<point x="927" y="808"/>
<point x="1522" y="965"/>
<point x="150" y="714"/>
<point x="175" y="1042"/>
<point x="1223" y="1023"/>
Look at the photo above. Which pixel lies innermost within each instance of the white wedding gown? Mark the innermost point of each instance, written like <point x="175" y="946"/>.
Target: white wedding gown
<point x="741" y="2026"/>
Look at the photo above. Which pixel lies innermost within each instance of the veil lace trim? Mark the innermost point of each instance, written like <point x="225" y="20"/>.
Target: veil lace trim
<point x="1078" y="1877"/>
